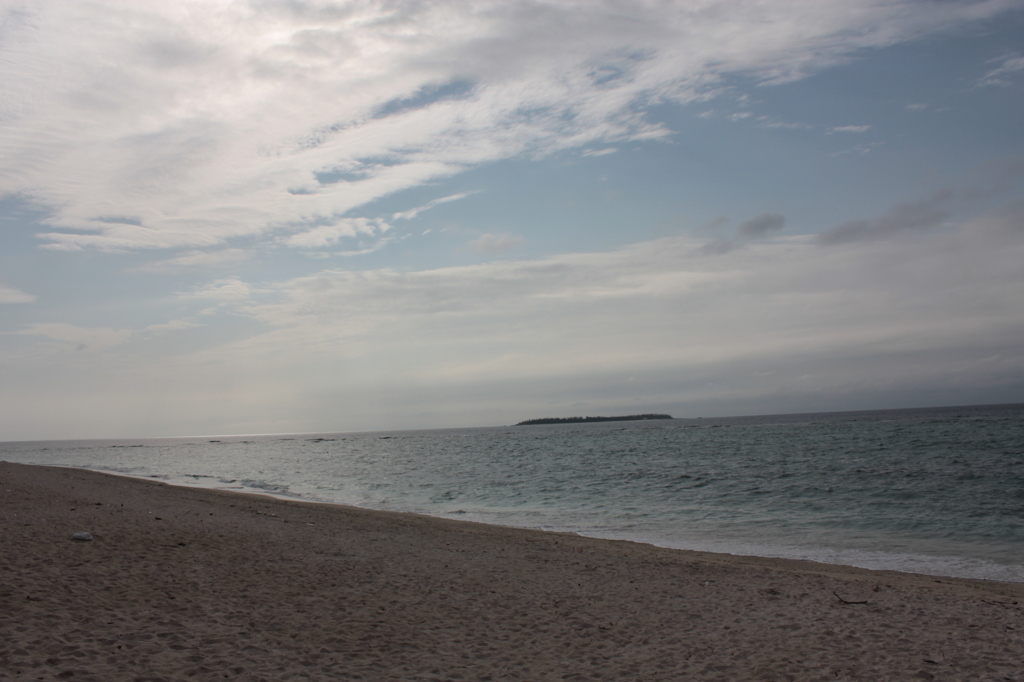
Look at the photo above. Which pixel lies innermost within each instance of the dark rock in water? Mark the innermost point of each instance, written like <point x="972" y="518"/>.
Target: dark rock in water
<point x="84" y="537"/>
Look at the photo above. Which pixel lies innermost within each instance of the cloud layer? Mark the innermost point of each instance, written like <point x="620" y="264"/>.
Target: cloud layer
<point x="10" y="295"/>
<point x="191" y="124"/>
<point x="783" y="322"/>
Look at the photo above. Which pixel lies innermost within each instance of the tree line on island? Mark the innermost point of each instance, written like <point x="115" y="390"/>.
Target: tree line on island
<point x="579" y="420"/>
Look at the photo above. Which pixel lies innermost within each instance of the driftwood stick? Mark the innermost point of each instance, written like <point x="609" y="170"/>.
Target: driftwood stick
<point x="847" y="601"/>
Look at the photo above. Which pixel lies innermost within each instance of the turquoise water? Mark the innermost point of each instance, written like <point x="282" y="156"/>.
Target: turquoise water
<point x="937" y="491"/>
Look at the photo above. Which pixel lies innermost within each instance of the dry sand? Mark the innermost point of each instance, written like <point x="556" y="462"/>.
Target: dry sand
<point x="184" y="583"/>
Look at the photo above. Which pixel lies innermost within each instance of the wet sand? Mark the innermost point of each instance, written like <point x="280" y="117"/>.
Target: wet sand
<point x="185" y="583"/>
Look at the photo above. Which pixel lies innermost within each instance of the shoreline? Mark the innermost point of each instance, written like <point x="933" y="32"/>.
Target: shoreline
<point x="661" y="544"/>
<point x="779" y="553"/>
<point x="187" y="581"/>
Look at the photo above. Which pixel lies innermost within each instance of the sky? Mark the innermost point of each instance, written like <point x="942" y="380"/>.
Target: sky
<point x="236" y="217"/>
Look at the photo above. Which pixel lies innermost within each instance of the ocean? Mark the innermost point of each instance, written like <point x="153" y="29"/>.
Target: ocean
<point x="938" y="491"/>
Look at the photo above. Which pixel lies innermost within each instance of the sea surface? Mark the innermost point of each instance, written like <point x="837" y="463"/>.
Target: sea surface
<point x="937" y="491"/>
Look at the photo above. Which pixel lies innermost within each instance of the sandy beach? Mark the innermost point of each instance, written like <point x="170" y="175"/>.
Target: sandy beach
<point x="185" y="583"/>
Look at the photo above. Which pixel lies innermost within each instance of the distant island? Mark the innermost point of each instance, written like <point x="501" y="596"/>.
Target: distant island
<point x="580" y="420"/>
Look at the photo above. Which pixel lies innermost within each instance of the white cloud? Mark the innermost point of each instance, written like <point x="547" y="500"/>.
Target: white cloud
<point x="662" y="304"/>
<point x="496" y="242"/>
<point x="850" y="129"/>
<point x="172" y="326"/>
<point x="785" y="125"/>
<point x="82" y="338"/>
<point x="189" y="124"/>
<point x="1005" y="73"/>
<point x="197" y="259"/>
<point x="328" y="235"/>
<point x="228" y="289"/>
<point x="412" y="213"/>
<point x="376" y="246"/>
<point x="11" y="295"/>
<point x="859" y="150"/>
